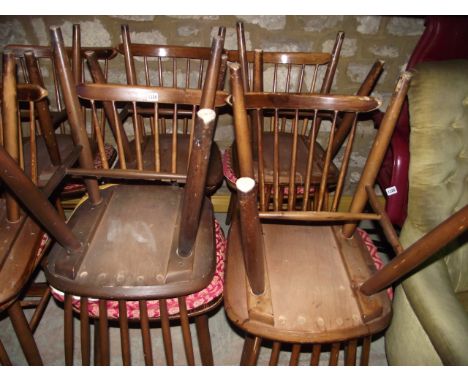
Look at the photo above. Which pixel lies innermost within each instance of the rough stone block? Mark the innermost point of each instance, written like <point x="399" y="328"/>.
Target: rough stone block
<point x="389" y="51"/>
<point x="267" y="22"/>
<point x="93" y="33"/>
<point x="368" y="24"/>
<point x="405" y="26"/>
<point x="12" y="32"/>
<point x="319" y="23"/>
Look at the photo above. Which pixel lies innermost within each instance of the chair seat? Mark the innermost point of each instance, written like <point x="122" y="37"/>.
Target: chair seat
<point x="286" y="140"/>
<point x="65" y="144"/>
<point x="21" y="248"/>
<point x="194" y="301"/>
<point x="311" y="295"/>
<point x="215" y="169"/>
<point x="132" y="251"/>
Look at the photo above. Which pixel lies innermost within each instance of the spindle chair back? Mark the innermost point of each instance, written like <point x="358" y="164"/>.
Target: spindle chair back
<point x="292" y="163"/>
<point x="23" y="240"/>
<point x="127" y="268"/>
<point x="295" y="276"/>
<point x="172" y="67"/>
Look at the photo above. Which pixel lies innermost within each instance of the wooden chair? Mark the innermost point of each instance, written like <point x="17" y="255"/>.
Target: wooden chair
<point x="299" y="281"/>
<point x="22" y="239"/>
<point x="37" y="67"/>
<point x="135" y="251"/>
<point x="290" y="72"/>
<point x="173" y="67"/>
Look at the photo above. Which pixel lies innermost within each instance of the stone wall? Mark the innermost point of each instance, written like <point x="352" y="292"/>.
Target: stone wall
<point x="367" y="38"/>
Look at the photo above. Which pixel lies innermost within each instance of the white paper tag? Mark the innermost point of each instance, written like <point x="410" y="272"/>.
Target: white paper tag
<point x="391" y="190"/>
<point x="152" y="97"/>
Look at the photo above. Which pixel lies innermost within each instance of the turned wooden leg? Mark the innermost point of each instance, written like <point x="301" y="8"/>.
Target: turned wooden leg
<point x="24" y="334"/>
<point x="204" y="340"/>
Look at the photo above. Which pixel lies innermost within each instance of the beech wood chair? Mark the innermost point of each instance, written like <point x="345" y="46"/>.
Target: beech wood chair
<point x="295" y="276"/>
<point x="138" y="252"/>
<point x="37" y="67"/>
<point x="23" y="241"/>
<point x="291" y="72"/>
<point x="173" y="67"/>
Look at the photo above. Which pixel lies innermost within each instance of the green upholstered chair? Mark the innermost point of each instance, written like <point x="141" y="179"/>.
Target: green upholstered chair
<point x="430" y="319"/>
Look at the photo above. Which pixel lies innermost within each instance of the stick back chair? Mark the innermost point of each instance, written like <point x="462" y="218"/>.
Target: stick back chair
<point x="290" y="72"/>
<point x="120" y="265"/>
<point x="173" y="67"/>
<point x="23" y="240"/>
<point x="36" y="66"/>
<point x="297" y="281"/>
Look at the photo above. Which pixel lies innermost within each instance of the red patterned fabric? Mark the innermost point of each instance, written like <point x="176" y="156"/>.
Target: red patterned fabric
<point x="379" y="264"/>
<point x="111" y="154"/>
<point x="231" y="176"/>
<point x="193" y="301"/>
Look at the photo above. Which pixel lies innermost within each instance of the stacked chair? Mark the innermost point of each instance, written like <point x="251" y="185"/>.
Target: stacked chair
<point x="142" y="252"/>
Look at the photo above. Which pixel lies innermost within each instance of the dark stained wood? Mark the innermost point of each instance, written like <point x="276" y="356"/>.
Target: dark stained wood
<point x="4" y="359"/>
<point x="68" y="330"/>
<point x="124" y="333"/>
<point x="166" y="332"/>
<point x="204" y="340"/>
<point x="73" y="109"/>
<point x="186" y="335"/>
<point x="145" y="334"/>
<point x="104" y="344"/>
<point x="25" y="337"/>
<point x="365" y="350"/>
<point x="295" y="353"/>
<point x="350" y="353"/>
<point x="108" y="263"/>
<point x="334" y="354"/>
<point x="275" y="352"/>
<point x="315" y="358"/>
<point x="85" y="332"/>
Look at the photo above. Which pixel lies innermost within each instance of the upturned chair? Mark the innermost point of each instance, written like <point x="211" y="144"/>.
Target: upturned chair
<point x="173" y="67"/>
<point x="36" y="66"/>
<point x="139" y="252"/>
<point x="288" y="72"/>
<point x="298" y="281"/>
<point x="22" y="239"/>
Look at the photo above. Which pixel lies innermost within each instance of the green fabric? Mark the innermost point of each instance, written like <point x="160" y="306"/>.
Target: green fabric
<point x="430" y="325"/>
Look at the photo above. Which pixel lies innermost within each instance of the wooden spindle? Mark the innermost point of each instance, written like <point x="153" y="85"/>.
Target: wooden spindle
<point x="295" y="353"/>
<point x="334" y="354"/>
<point x="166" y="332"/>
<point x="194" y="189"/>
<point x="104" y="346"/>
<point x="378" y="150"/>
<point x="242" y="49"/>
<point x="365" y="351"/>
<point x="75" y="117"/>
<point x="331" y="68"/>
<point x="275" y="352"/>
<point x="251" y="235"/>
<point x="68" y="329"/>
<point x="85" y="332"/>
<point x="187" y="337"/>
<point x="350" y="353"/>
<point x="310" y="161"/>
<point x="204" y="339"/>
<point x="145" y="333"/>
<point x="124" y="333"/>
<point x="315" y="357"/>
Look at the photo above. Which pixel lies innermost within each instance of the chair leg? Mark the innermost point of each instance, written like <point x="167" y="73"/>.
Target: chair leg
<point x="4" y="359"/>
<point x="166" y="332"/>
<point x="315" y="358"/>
<point x="68" y="330"/>
<point x="350" y="353"/>
<point x="85" y="335"/>
<point x="24" y="334"/>
<point x="275" y="352"/>
<point x="184" y="323"/>
<point x="365" y="352"/>
<point x="334" y="354"/>
<point x="40" y="309"/>
<point x="250" y="351"/>
<point x="204" y="340"/>
<point x="231" y="208"/>
<point x="104" y="350"/>
<point x="296" y="351"/>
